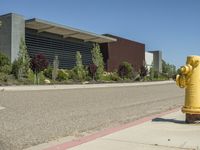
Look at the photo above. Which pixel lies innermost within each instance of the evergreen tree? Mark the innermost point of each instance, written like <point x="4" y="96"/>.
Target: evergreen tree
<point x="22" y="64"/>
<point x="79" y="68"/>
<point x="55" y="68"/>
<point x="97" y="59"/>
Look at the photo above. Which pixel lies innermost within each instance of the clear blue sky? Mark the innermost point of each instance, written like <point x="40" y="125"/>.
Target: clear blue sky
<point x="172" y="26"/>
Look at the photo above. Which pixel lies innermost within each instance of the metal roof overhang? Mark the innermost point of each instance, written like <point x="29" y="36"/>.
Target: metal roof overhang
<point x="66" y="32"/>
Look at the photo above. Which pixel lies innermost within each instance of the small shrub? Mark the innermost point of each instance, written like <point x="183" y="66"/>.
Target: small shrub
<point x="6" y="69"/>
<point x="31" y="76"/>
<point x="70" y="73"/>
<point x="48" y="72"/>
<point x="110" y="76"/>
<point x="106" y="76"/>
<point x="114" y="76"/>
<point x="125" y="71"/>
<point x="15" y="68"/>
<point x="62" y="75"/>
<point x="78" y="75"/>
<point x="3" y="77"/>
<point x="5" y="65"/>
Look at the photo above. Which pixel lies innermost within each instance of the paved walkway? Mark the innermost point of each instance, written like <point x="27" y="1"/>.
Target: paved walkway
<point x="168" y="132"/>
<point x="77" y="86"/>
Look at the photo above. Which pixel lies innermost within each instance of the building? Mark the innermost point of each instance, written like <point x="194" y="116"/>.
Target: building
<point x="48" y="38"/>
<point x="149" y="60"/>
<point x="115" y="53"/>
<point x="53" y="39"/>
<point x="154" y="59"/>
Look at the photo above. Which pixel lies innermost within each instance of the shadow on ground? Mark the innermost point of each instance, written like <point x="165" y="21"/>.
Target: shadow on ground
<point x="168" y="120"/>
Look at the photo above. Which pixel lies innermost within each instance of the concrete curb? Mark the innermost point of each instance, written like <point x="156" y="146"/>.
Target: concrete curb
<point x="70" y="144"/>
<point x="83" y="86"/>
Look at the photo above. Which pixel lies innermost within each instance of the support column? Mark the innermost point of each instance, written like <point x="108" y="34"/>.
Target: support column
<point x="12" y="29"/>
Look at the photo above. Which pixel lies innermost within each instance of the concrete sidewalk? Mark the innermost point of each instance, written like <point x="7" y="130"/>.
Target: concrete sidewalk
<point x="77" y="86"/>
<point x="168" y="132"/>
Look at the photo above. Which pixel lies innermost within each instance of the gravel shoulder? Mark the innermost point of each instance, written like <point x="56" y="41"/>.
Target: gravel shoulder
<point x="33" y="117"/>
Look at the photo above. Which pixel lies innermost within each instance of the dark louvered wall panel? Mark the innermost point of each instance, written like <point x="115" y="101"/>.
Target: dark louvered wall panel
<point x="64" y="49"/>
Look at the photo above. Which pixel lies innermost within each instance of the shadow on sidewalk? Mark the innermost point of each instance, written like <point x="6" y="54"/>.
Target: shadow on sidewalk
<point x="168" y="120"/>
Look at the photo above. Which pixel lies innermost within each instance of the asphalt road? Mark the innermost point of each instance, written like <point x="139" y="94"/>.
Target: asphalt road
<point x="35" y="117"/>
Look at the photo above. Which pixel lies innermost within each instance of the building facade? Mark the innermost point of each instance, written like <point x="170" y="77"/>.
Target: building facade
<point x="115" y="53"/>
<point x="53" y="39"/>
<point x="48" y="38"/>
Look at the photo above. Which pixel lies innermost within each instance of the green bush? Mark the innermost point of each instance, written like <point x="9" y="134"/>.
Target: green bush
<point x="79" y="75"/>
<point x="6" y="69"/>
<point x="62" y="75"/>
<point x="15" y="68"/>
<point x="5" y="65"/>
<point x="3" y="77"/>
<point x="125" y="71"/>
<point x="48" y="72"/>
<point x="110" y="76"/>
<point x="31" y="77"/>
<point x="70" y="73"/>
<point x="114" y="76"/>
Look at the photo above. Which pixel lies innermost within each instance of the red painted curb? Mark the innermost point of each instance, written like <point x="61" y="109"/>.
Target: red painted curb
<point x="105" y="132"/>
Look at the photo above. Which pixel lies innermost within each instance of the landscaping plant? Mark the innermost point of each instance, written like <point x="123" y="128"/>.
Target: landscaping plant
<point x="48" y="72"/>
<point x="21" y="65"/>
<point x="125" y="71"/>
<point x="38" y="64"/>
<point x="55" y="68"/>
<point x="143" y="71"/>
<point x="97" y="59"/>
<point x="92" y="70"/>
<point x="79" y="70"/>
<point x="62" y="75"/>
<point x="5" y="65"/>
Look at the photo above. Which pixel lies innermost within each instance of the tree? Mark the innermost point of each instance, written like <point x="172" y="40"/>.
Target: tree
<point x="79" y="68"/>
<point x="97" y="59"/>
<point x="21" y="65"/>
<point x="38" y="64"/>
<point x="55" y="68"/>
<point x="168" y="69"/>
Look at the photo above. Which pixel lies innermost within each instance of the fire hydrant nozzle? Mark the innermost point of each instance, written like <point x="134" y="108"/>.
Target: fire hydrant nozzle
<point x="186" y="69"/>
<point x="189" y="78"/>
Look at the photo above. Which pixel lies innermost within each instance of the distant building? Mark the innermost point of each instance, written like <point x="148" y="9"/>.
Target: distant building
<point x="154" y="59"/>
<point x="149" y="60"/>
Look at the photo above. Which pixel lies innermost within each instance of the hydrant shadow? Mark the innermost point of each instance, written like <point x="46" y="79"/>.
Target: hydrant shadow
<point x="168" y="120"/>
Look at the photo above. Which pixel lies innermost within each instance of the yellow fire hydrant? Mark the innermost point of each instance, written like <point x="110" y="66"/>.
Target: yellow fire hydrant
<point x="189" y="78"/>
